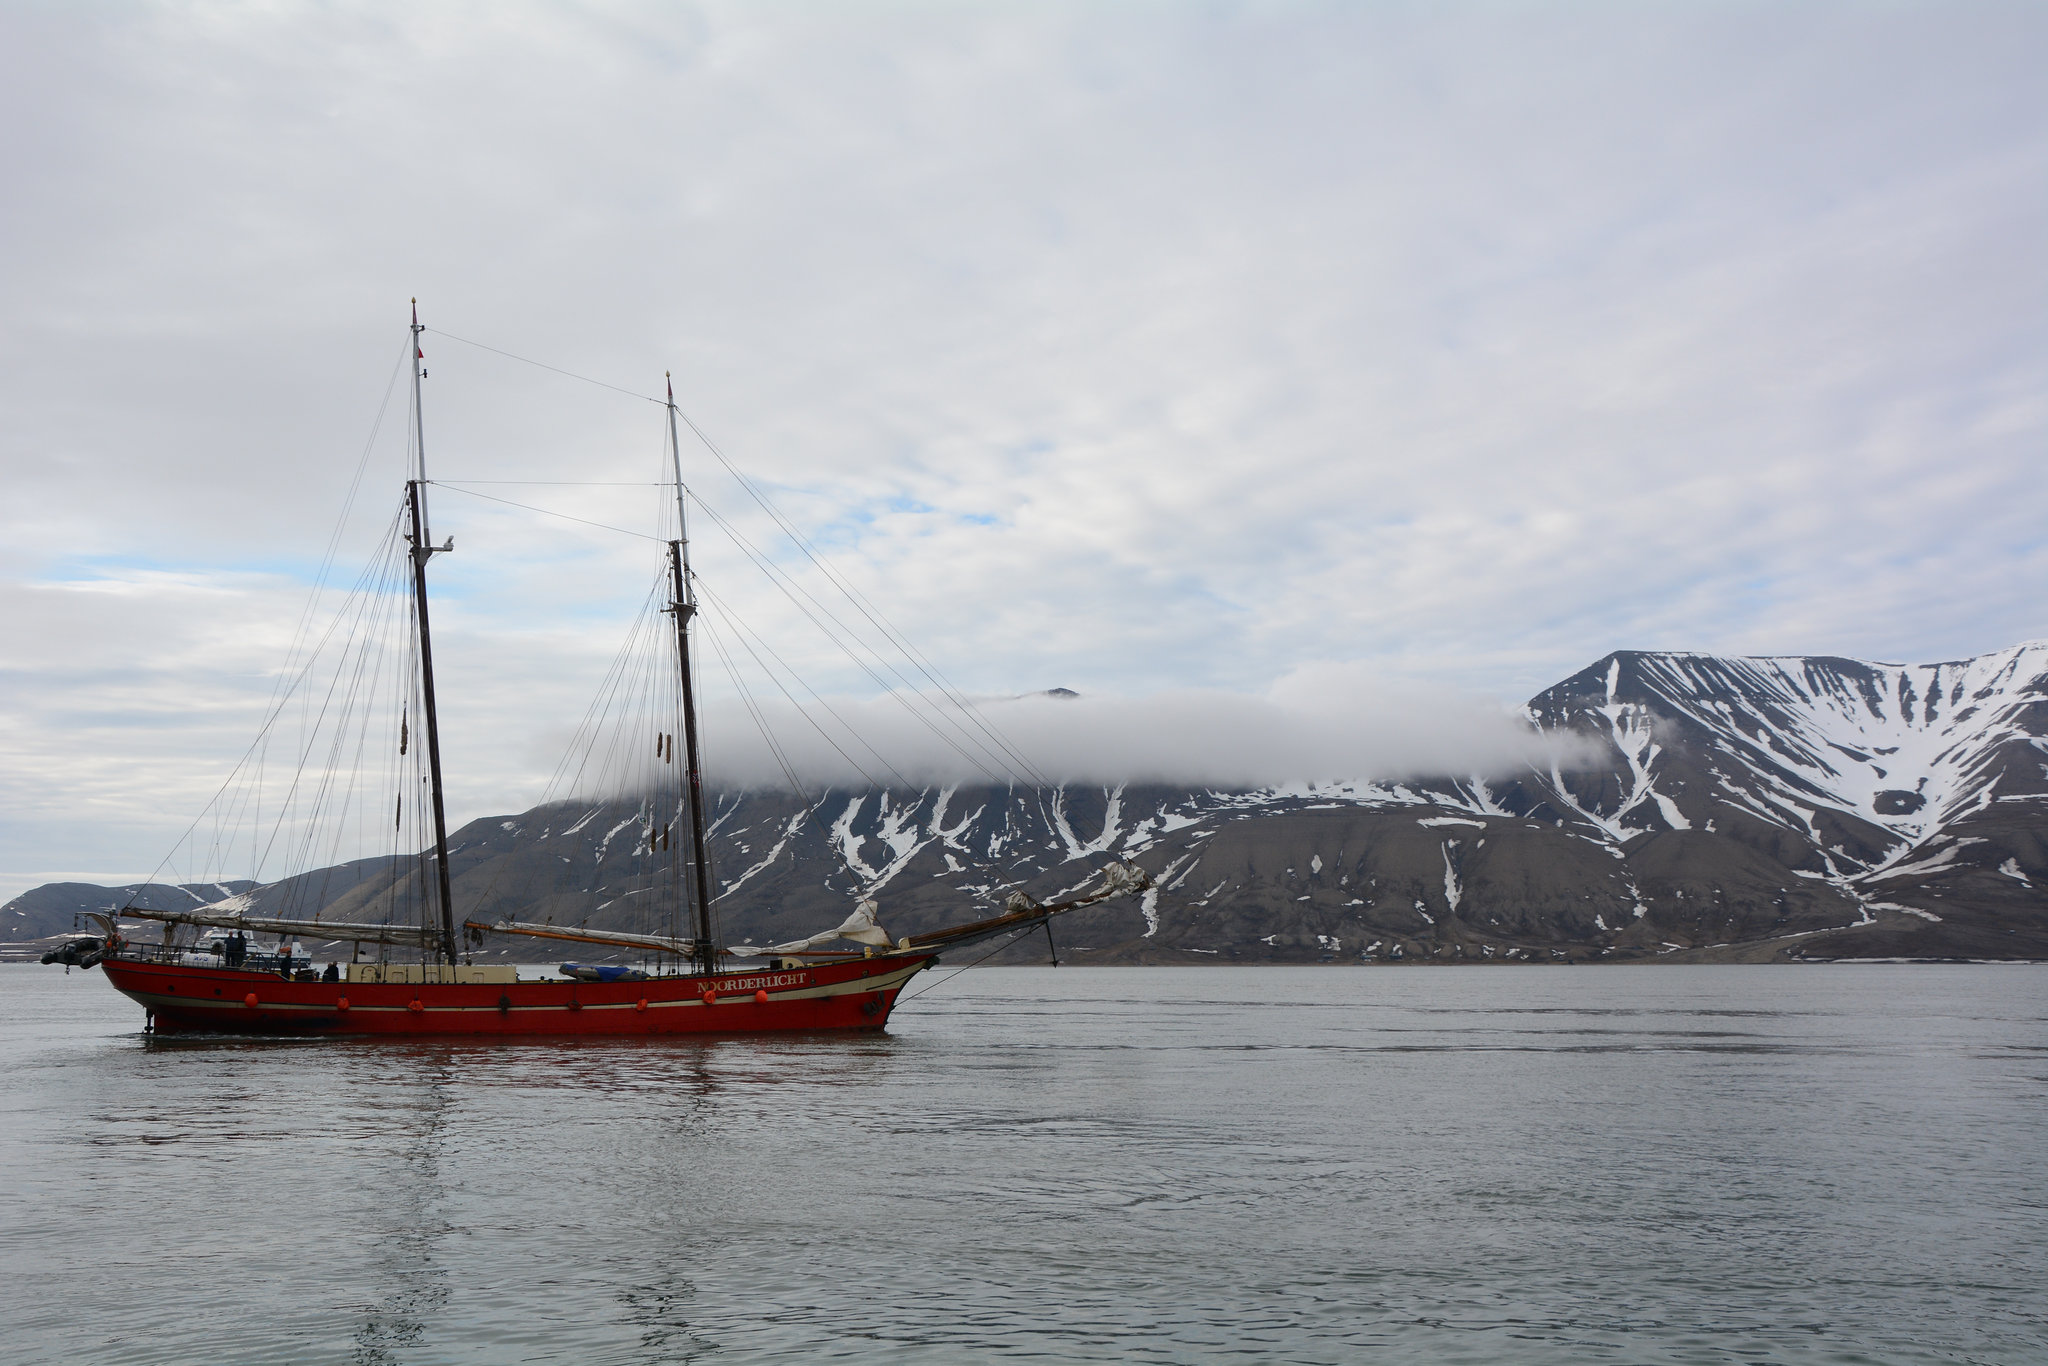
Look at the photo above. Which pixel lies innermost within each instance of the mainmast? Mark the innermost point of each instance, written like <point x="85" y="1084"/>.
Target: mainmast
<point x="423" y="550"/>
<point x="685" y="607"/>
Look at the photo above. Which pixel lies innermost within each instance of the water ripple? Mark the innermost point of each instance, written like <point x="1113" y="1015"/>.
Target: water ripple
<point x="1301" y="1165"/>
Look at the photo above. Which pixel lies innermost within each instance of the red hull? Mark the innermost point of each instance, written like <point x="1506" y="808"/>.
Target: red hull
<point x="856" y="994"/>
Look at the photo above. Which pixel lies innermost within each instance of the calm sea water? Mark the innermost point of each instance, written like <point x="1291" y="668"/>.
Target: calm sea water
<point x="1294" y="1165"/>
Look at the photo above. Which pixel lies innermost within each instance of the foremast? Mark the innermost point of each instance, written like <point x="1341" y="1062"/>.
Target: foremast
<point x="684" y="607"/>
<point x="422" y="550"/>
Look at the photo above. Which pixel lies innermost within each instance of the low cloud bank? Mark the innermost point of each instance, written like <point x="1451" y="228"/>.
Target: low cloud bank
<point x="1317" y="725"/>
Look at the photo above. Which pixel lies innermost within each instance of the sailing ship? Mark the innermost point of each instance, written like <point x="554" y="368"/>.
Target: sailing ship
<point x="849" y="977"/>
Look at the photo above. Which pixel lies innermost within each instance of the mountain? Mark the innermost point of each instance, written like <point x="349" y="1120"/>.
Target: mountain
<point x="54" y="907"/>
<point x="1912" y="792"/>
<point x="1713" y="809"/>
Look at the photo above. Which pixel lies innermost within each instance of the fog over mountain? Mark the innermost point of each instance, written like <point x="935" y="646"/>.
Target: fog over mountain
<point x="1324" y="725"/>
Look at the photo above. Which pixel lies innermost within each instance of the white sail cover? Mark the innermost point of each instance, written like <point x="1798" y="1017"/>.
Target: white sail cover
<point x="860" y="927"/>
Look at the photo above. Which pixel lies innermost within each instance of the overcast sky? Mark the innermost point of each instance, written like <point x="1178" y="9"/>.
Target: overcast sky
<point x="1166" y="352"/>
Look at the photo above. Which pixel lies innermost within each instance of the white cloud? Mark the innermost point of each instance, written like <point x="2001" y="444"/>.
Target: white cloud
<point x="1152" y="351"/>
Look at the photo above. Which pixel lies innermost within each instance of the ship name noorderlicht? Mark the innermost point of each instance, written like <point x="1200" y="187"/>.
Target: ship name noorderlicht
<point x="780" y="979"/>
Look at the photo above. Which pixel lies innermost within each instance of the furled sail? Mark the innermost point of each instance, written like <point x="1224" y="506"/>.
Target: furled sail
<point x="220" y="916"/>
<point x="1020" y="912"/>
<point x="860" y="927"/>
<point x="576" y="934"/>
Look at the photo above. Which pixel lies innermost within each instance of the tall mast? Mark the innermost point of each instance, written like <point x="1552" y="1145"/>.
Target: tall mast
<point x="422" y="550"/>
<point x="685" y="607"/>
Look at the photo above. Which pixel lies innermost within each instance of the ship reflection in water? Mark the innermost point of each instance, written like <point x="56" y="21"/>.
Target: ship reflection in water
<point x="1314" y="1164"/>
<point x="408" y="1269"/>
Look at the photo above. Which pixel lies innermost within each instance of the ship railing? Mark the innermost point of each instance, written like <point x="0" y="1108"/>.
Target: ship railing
<point x="184" y="955"/>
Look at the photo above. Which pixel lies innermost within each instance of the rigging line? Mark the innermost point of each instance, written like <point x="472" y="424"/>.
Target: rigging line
<point x="601" y="704"/>
<point x="545" y="512"/>
<point x="371" y="676"/>
<point x="760" y="720"/>
<point x="396" y="895"/>
<point x="790" y="589"/>
<point x="396" y="767"/>
<point x="753" y="709"/>
<point x="784" y="581"/>
<point x="1017" y="765"/>
<point x="343" y="789"/>
<point x="781" y="581"/>
<point x="642" y="640"/>
<point x="362" y="599"/>
<point x="278" y="705"/>
<point x="937" y="981"/>
<point x="747" y="632"/>
<point x="333" y="545"/>
<point x="299" y="805"/>
<point x="616" y="725"/>
<point x="867" y="609"/>
<point x="333" y="783"/>
<point x="586" y="739"/>
<point x="652" y="705"/>
<point x="341" y="523"/>
<point x="744" y="631"/>
<point x="891" y="633"/>
<point x="667" y="782"/>
<point x="569" y="483"/>
<point x="524" y="360"/>
<point x="888" y="631"/>
<point x="310" y="728"/>
<point x="767" y="733"/>
<point x="807" y="806"/>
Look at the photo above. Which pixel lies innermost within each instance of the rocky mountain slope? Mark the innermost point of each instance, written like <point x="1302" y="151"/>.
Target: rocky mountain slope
<point x="54" y="907"/>
<point x="1731" y="809"/>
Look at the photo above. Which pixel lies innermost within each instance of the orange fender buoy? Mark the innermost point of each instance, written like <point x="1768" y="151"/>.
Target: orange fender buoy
<point x="760" y="998"/>
<point x="641" y="1004"/>
<point x="341" y="1004"/>
<point x="710" y="997"/>
<point x="250" y="1000"/>
<point x="414" y="1006"/>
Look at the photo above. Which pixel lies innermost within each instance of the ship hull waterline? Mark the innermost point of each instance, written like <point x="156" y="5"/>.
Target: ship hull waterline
<point x="854" y="995"/>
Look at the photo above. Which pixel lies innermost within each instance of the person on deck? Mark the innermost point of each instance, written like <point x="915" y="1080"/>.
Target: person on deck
<point x="333" y="973"/>
<point x="237" y="949"/>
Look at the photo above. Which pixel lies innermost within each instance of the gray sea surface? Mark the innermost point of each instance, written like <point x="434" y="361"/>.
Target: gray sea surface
<point x="1339" y="1164"/>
